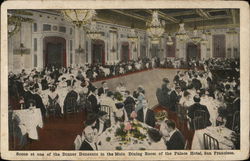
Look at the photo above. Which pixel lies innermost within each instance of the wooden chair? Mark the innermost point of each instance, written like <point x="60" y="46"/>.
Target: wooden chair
<point x="107" y="109"/>
<point x="210" y="143"/>
<point x="236" y="121"/>
<point x="70" y="106"/>
<point x="199" y="120"/>
<point x="186" y="145"/>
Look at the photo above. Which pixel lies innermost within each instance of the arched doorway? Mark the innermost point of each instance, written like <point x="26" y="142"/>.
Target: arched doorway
<point x="193" y="51"/>
<point x="125" y="52"/>
<point x="54" y="51"/>
<point x="98" y="52"/>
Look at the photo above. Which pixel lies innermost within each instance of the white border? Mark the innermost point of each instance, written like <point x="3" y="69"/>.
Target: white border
<point x="119" y="4"/>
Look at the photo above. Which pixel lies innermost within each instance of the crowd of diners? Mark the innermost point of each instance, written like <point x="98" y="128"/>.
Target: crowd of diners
<point x="27" y="89"/>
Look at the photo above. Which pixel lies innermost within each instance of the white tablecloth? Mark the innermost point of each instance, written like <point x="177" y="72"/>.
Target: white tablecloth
<point x="134" y="144"/>
<point x="222" y="134"/>
<point x="29" y="121"/>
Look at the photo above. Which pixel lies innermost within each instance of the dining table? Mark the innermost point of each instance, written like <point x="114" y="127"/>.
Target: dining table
<point x="220" y="133"/>
<point x="110" y="140"/>
<point x="28" y="121"/>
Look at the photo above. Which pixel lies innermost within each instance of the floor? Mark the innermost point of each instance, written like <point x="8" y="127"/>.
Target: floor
<point x="60" y="133"/>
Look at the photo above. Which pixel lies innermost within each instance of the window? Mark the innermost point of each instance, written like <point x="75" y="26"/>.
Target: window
<point x="62" y="29"/>
<point x="71" y="31"/>
<point x="170" y="49"/>
<point x="35" y="60"/>
<point x="46" y="27"/>
<point x="219" y="46"/>
<point x="71" y="58"/>
<point x="87" y="51"/>
<point x="71" y="45"/>
<point x="35" y="44"/>
<point x="35" y="27"/>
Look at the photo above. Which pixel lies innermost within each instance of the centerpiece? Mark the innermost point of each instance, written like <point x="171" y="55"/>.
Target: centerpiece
<point x="131" y="131"/>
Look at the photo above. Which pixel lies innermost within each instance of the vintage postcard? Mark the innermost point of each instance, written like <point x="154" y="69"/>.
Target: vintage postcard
<point x="124" y="80"/>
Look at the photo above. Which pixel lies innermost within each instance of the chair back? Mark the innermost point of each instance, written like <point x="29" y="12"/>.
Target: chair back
<point x="210" y="143"/>
<point x="78" y="142"/>
<point x="199" y="120"/>
<point x="236" y="121"/>
<point x="186" y="145"/>
<point x="107" y="109"/>
<point x="71" y="104"/>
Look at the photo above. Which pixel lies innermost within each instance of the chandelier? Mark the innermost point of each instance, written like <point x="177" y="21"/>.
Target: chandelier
<point x="155" y="28"/>
<point x="132" y="37"/>
<point x="93" y="32"/>
<point x="14" y="21"/>
<point x="195" y="37"/>
<point x="204" y="38"/>
<point x="169" y="41"/>
<point x="79" y="17"/>
<point x="155" y="40"/>
<point x="182" y="34"/>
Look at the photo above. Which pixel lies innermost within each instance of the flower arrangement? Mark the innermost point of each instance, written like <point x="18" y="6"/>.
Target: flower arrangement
<point x="118" y="96"/>
<point x="129" y="130"/>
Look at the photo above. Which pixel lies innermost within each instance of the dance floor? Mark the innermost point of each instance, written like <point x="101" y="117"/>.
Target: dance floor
<point x="59" y="134"/>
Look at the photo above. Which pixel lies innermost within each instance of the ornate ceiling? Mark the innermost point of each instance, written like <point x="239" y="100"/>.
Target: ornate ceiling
<point x="207" y="18"/>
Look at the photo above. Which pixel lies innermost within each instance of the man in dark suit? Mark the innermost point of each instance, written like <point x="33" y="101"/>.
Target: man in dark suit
<point x="129" y="103"/>
<point x="102" y="123"/>
<point x="39" y="102"/>
<point x="89" y="141"/>
<point x="44" y="83"/>
<point x="195" y="108"/>
<point x="196" y="82"/>
<point x="175" y="140"/>
<point x="174" y="98"/>
<point x="70" y="101"/>
<point x="146" y="115"/>
<point x="71" y="81"/>
<point x="93" y="99"/>
<point x="103" y="89"/>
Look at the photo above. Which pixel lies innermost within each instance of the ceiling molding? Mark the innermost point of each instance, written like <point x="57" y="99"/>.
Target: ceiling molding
<point x="130" y="15"/>
<point x="164" y="16"/>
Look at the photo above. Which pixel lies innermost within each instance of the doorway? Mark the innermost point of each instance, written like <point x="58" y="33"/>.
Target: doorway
<point x="54" y="51"/>
<point x="98" y="52"/>
<point x="154" y="50"/>
<point x="193" y="51"/>
<point x="125" y="52"/>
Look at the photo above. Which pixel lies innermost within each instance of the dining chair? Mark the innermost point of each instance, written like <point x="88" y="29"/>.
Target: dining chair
<point x="236" y="121"/>
<point x="70" y="106"/>
<point x="107" y="109"/>
<point x="210" y="143"/>
<point x="199" y="120"/>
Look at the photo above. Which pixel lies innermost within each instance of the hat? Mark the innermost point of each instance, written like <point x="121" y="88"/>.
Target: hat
<point x="110" y="93"/>
<point x="92" y="88"/>
<point x="197" y="98"/>
<point x="154" y="134"/>
<point x="165" y="80"/>
<point x="119" y="105"/>
<point x="91" y="118"/>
